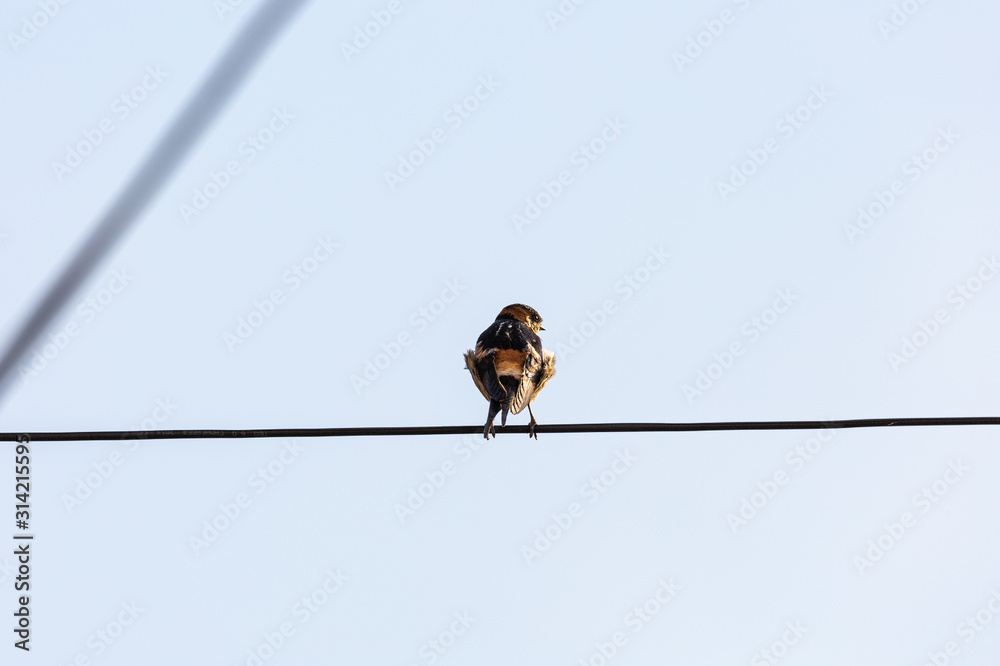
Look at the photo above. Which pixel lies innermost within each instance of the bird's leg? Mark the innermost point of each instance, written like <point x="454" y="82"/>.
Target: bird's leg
<point x="488" y="428"/>
<point x="532" y="424"/>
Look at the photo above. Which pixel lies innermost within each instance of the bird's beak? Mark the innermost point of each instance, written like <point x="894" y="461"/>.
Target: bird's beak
<point x="541" y="328"/>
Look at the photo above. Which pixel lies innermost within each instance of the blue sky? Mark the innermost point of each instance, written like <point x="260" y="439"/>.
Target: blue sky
<point x="722" y="210"/>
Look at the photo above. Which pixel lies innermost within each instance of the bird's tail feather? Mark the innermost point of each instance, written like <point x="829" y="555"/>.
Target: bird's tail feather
<point x="510" y="390"/>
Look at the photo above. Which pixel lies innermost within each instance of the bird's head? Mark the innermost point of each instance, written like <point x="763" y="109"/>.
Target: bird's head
<point x="522" y="313"/>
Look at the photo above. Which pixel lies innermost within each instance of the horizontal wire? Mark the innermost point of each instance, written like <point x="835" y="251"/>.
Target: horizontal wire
<point x="395" y="431"/>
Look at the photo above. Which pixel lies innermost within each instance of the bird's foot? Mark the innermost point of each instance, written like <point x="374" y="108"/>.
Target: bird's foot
<point x="489" y="430"/>
<point x="532" y="424"/>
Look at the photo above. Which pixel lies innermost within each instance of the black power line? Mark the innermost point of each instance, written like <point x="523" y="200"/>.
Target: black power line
<point x="206" y="102"/>
<point x="396" y="431"/>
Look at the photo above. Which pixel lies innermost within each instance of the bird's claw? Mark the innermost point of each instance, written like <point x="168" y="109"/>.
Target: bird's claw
<point x="531" y="429"/>
<point x="489" y="430"/>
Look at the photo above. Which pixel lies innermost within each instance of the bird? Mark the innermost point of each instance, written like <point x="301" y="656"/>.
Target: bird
<point x="509" y="366"/>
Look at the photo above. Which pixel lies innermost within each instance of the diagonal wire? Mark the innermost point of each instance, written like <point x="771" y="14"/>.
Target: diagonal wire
<point x="230" y="71"/>
<point x="377" y="431"/>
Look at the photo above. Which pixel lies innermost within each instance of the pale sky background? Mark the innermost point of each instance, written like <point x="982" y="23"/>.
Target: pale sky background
<point x="157" y="351"/>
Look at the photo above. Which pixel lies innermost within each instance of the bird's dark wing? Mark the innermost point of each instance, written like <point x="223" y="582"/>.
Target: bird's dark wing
<point x="537" y="371"/>
<point x="484" y="375"/>
<point x="470" y="363"/>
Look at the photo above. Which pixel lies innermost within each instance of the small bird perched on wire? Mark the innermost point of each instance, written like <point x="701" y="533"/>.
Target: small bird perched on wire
<point x="509" y="365"/>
